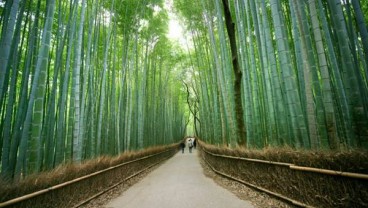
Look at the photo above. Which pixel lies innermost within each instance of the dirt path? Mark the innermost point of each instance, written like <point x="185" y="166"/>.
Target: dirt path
<point x="180" y="183"/>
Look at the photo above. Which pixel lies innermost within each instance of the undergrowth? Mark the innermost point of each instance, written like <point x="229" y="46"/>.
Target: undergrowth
<point x="345" y="160"/>
<point x="312" y="188"/>
<point x="69" y="171"/>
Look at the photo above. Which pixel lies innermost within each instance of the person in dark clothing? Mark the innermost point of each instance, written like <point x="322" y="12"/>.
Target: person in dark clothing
<point x="195" y="143"/>
<point x="182" y="146"/>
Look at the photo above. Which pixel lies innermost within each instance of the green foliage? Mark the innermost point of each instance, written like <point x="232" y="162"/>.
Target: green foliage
<point x="297" y="87"/>
<point x="114" y="82"/>
<point x="108" y="84"/>
<point x="364" y="8"/>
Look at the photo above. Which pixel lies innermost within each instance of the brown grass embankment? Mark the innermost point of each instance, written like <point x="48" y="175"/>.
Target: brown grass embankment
<point x="68" y="196"/>
<point x="312" y="188"/>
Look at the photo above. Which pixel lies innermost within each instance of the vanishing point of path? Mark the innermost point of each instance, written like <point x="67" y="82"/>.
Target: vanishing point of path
<point x="179" y="183"/>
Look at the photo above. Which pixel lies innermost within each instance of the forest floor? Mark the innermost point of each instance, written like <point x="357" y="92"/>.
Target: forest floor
<point x="183" y="181"/>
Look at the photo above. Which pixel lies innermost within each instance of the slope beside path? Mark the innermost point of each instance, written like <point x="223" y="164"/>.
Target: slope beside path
<point x="179" y="183"/>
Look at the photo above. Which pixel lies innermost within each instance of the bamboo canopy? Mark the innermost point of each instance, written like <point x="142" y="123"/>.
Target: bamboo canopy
<point x="83" y="79"/>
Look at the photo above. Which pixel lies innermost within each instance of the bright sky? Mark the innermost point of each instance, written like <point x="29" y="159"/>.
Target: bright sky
<point x="176" y="32"/>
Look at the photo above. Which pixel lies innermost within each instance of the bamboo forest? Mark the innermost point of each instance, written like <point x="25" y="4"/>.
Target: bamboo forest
<point x="84" y="78"/>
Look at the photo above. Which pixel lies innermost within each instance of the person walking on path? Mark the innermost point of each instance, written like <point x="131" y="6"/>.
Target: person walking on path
<point x="195" y="143"/>
<point x="182" y="146"/>
<point x="190" y="145"/>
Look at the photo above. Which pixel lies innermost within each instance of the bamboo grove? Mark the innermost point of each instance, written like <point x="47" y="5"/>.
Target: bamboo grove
<point x="303" y="71"/>
<point x="85" y="78"/>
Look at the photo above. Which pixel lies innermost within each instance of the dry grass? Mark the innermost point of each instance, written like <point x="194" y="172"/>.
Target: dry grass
<point x="347" y="161"/>
<point x="67" y="172"/>
<point x="311" y="188"/>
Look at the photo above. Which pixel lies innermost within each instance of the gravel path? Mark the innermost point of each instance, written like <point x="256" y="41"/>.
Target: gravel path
<point x="258" y="199"/>
<point x="175" y="185"/>
<point x="180" y="183"/>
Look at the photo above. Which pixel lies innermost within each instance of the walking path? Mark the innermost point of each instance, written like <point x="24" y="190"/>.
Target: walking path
<point x="179" y="183"/>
